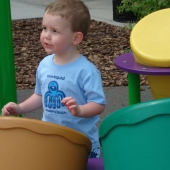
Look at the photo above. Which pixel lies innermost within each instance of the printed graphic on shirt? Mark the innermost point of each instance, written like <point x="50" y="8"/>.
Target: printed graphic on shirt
<point x="53" y="96"/>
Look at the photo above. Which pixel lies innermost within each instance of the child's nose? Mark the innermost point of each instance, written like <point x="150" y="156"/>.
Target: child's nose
<point x="47" y="34"/>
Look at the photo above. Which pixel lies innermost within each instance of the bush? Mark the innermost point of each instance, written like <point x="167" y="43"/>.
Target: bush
<point x="141" y="8"/>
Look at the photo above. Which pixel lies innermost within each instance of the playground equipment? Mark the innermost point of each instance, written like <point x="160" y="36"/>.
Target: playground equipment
<point x="137" y="137"/>
<point x="150" y="45"/>
<point x="7" y="68"/>
<point x="127" y="63"/>
<point x="33" y="144"/>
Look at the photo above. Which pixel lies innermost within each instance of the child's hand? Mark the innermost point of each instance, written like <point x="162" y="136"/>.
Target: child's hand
<point x="71" y="105"/>
<point x="11" y="109"/>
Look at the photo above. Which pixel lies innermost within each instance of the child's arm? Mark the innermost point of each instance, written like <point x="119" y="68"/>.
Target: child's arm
<point x="32" y="103"/>
<point x="90" y="109"/>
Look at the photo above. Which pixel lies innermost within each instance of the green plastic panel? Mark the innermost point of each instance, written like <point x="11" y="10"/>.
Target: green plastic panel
<point x="137" y="137"/>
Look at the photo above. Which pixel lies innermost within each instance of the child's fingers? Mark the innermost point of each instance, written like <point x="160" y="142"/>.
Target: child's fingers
<point x="5" y="112"/>
<point x="70" y="102"/>
<point x="9" y="109"/>
<point x="66" y="99"/>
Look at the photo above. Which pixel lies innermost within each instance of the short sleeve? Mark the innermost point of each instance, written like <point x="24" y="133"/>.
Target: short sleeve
<point x="93" y="88"/>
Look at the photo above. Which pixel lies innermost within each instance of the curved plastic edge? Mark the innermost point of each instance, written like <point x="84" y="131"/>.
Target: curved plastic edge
<point x="134" y="114"/>
<point x="141" y="57"/>
<point x="46" y="128"/>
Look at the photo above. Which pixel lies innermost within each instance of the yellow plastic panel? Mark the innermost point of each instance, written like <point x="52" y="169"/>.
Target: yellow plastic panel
<point x="150" y="39"/>
<point x="159" y="86"/>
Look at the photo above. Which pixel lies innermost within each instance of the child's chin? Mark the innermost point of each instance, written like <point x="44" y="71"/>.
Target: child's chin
<point x="49" y="52"/>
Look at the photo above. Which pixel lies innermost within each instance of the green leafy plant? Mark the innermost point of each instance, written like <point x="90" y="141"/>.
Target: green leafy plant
<point x="141" y="8"/>
<point x="129" y="26"/>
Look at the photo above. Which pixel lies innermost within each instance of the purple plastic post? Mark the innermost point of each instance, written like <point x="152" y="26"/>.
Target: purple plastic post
<point x="95" y="164"/>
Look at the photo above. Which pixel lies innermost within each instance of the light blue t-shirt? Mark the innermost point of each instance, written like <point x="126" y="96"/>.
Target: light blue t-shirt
<point x="79" y="79"/>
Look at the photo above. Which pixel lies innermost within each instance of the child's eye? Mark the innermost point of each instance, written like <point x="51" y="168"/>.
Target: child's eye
<point x="44" y="28"/>
<point x="55" y="31"/>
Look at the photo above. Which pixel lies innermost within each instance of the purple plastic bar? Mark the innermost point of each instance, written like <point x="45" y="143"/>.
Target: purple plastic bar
<point x="127" y="63"/>
<point x="95" y="164"/>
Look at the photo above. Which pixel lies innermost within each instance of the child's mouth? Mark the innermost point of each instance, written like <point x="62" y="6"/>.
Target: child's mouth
<point x="47" y="45"/>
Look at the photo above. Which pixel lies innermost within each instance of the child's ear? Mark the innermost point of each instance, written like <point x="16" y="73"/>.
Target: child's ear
<point x="78" y="37"/>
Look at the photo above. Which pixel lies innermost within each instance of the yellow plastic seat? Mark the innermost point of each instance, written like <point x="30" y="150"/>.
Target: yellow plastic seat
<point x="149" y="42"/>
<point x="28" y="144"/>
<point x="150" y="39"/>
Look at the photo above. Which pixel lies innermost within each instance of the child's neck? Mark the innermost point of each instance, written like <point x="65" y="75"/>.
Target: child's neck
<point x="61" y="59"/>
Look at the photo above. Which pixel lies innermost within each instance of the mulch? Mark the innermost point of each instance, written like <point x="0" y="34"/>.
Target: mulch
<point x="102" y="45"/>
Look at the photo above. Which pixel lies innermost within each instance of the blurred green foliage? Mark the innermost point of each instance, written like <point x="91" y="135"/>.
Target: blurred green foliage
<point x="141" y="8"/>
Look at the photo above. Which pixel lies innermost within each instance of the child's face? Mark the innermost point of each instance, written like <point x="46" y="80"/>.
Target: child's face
<point x="56" y="36"/>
